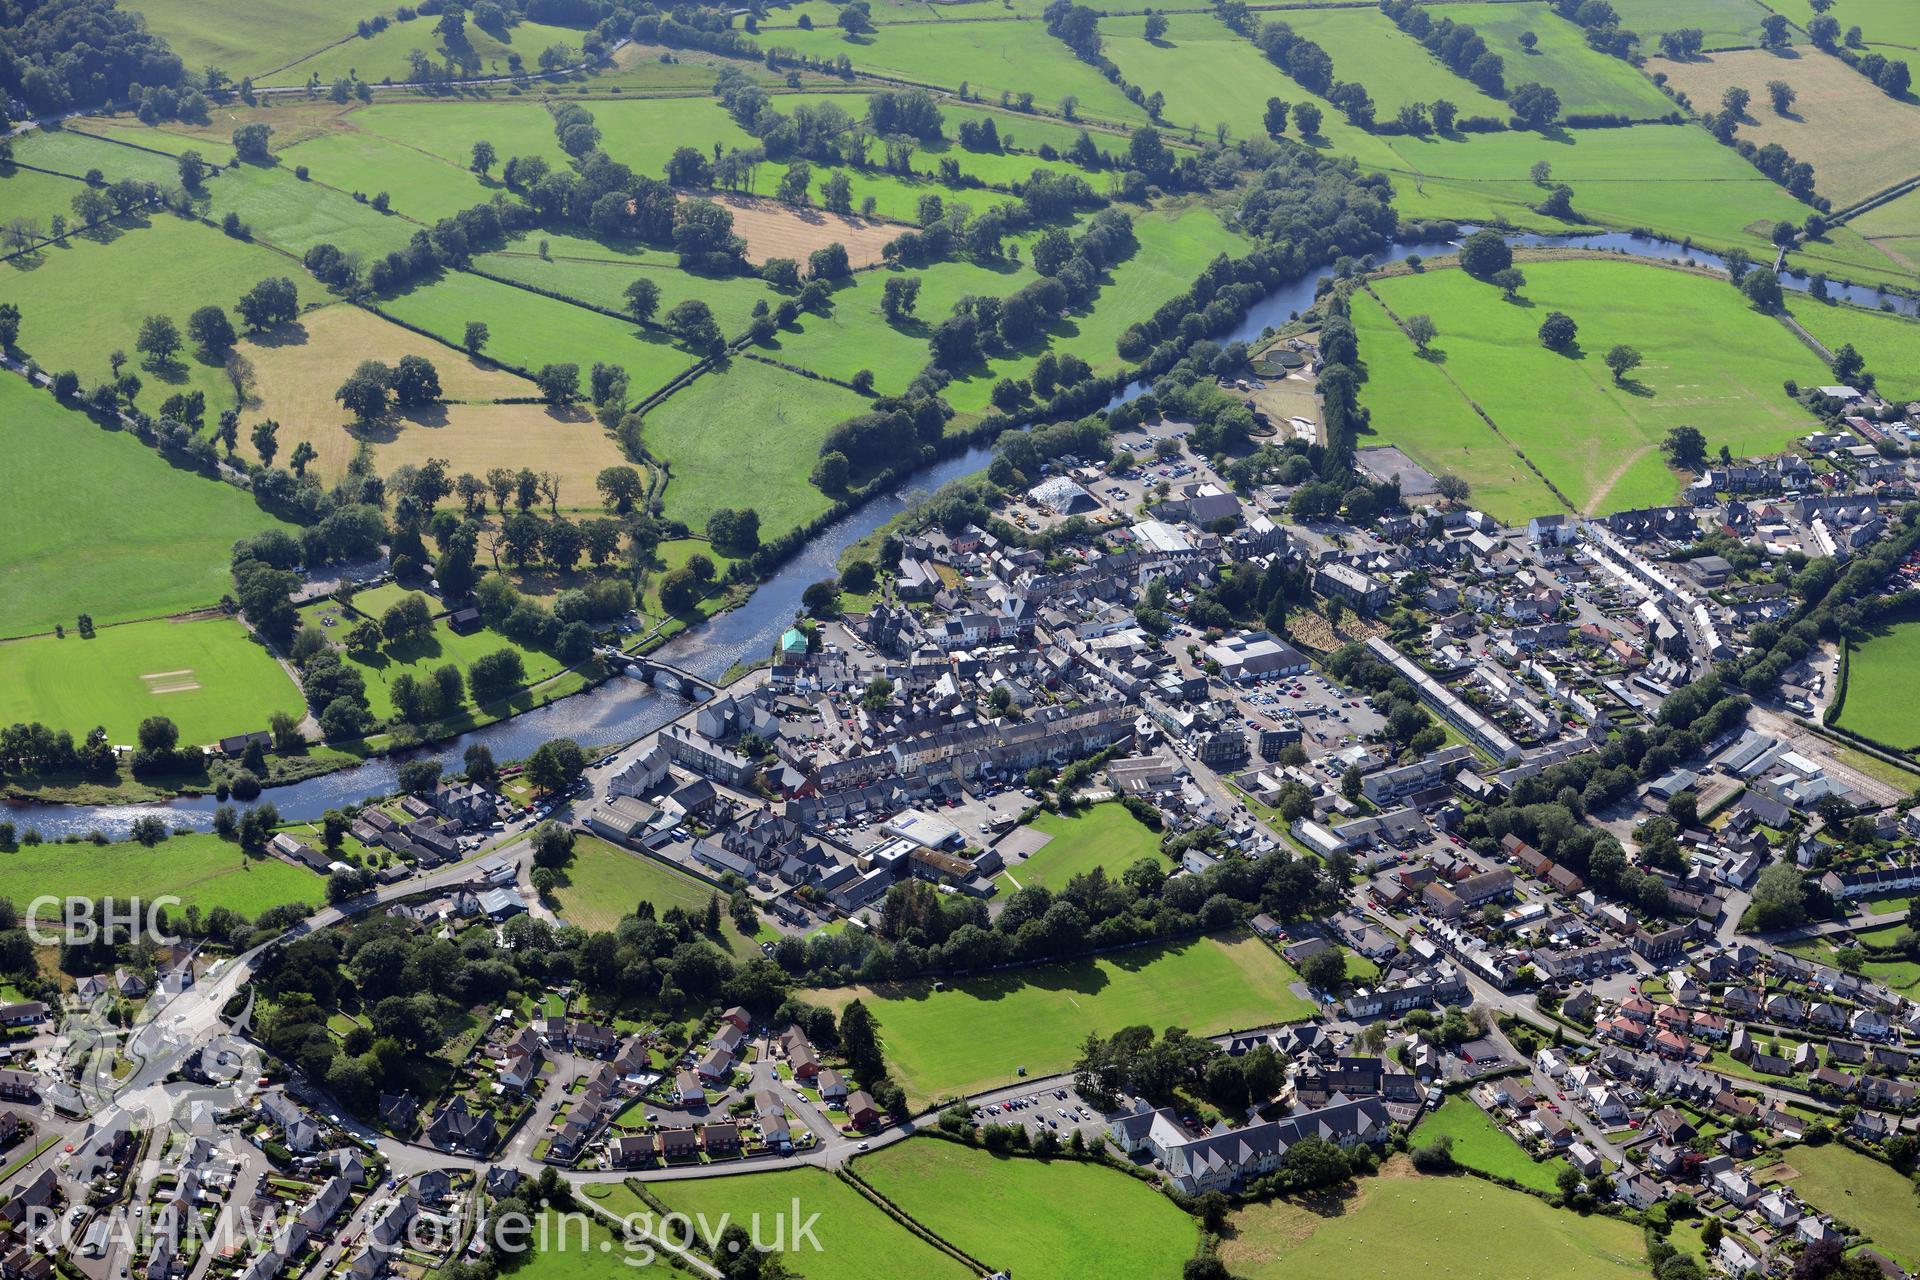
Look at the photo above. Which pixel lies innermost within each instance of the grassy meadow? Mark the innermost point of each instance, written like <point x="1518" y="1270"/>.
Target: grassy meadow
<point x="1401" y="1224"/>
<point x="1880" y="688"/>
<point x="1478" y="1143"/>
<point x="1104" y="836"/>
<point x="1396" y="68"/>
<point x="723" y="456"/>
<point x="605" y="882"/>
<point x="1035" y="1219"/>
<point x="419" y="185"/>
<point x="1710" y="361"/>
<point x="383" y="56"/>
<point x="160" y="264"/>
<point x="598" y="275"/>
<point x="1858" y="140"/>
<point x="979" y="1032"/>
<point x="1862" y="1193"/>
<point x="282" y="211"/>
<point x="211" y="678"/>
<point x="164" y="549"/>
<point x="200" y="869"/>
<point x="1890" y="343"/>
<point x="1722" y="23"/>
<point x="857" y="1238"/>
<point x="1587" y="82"/>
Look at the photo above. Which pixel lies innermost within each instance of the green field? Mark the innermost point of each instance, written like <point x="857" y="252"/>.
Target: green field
<point x="979" y="1032"/>
<point x="87" y="298"/>
<point x="857" y="1239"/>
<point x="1587" y="82"/>
<point x="599" y="275"/>
<point x="760" y="460"/>
<point x="201" y="870"/>
<point x="993" y="58"/>
<point x="289" y="214"/>
<point x="1880" y="688"/>
<point x="1479" y="1144"/>
<point x="1892" y="24"/>
<point x="1446" y="435"/>
<point x="415" y="185"/>
<point x="419" y="658"/>
<point x="1890" y="343"/>
<point x="605" y="882"/>
<point x="211" y="678"/>
<point x="37" y="197"/>
<point x="1395" y="68"/>
<point x="449" y="129"/>
<point x="1862" y="1193"/>
<point x="383" y="56"/>
<point x="1040" y="1220"/>
<point x="245" y="39"/>
<point x="529" y="330"/>
<point x="1722" y="23"/>
<point x="1400" y="1225"/>
<point x="1711" y="361"/>
<point x="1104" y="836"/>
<point x="165" y="548"/>
<point x="75" y="154"/>
<point x="1209" y="74"/>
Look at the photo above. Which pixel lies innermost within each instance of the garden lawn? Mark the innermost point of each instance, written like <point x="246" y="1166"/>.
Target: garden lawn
<point x="1710" y="361"/>
<point x="87" y="298"/>
<point x="201" y="870"/>
<point x="529" y="331"/>
<point x="1040" y="1220"/>
<point x="1861" y="1192"/>
<point x="1395" y="68"/>
<point x="1859" y="140"/>
<point x="210" y="677"/>
<point x="605" y="882"/>
<point x="1400" y="1224"/>
<point x="94" y="521"/>
<point x="747" y="436"/>
<point x="1588" y="82"/>
<point x="1882" y="697"/>
<point x="979" y="1032"/>
<point x="1012" y="56"/>
<point x="1437" y="427"/>
<point x="1479" y="1144"/>
<point x="1106" y="835"/>
<point x="1889" y="343"/>
<point x="858" y="1240"/>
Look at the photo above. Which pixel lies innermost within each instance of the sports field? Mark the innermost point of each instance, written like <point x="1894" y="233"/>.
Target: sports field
<point x="201" y="870"/>
<point x="604" y="883"/>
<point x="1711" y="362"/>
<point x="979" y="1032"/>
<point x="721" y="458"/>
<point x="1587" y="82"/>
<point x="1862" y="1193"/>
<point x="164" y="549"/>
<point x="1880" y="692"/>
<point x="209" y="677"/>
<point x="1104" y="836"/>
<point x="1890" y="343"/>
<point x="1041" y="1220"/>
<point x="857" y="1240"/>
<point x="1858" y="140"/>
<point x="1479" y="1144"/>
<point x="161" y="265"/>
<point x="1401" y="1224"/>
